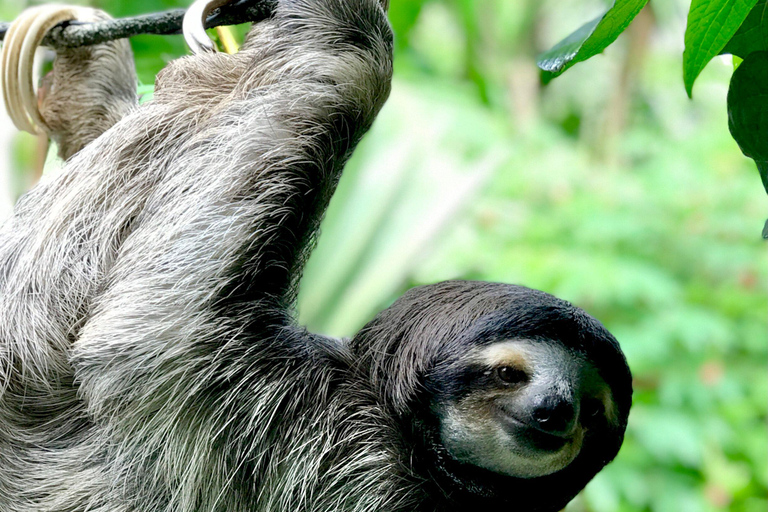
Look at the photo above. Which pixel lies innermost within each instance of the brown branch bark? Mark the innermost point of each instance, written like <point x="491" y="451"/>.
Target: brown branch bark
<point x="73" y="34"/>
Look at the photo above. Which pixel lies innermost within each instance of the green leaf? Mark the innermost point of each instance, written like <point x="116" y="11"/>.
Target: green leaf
<point x="590" y="39"/>
<point x="752" y="35"/>
<point x="711" y="24"/>
<point x="748" y="110"/>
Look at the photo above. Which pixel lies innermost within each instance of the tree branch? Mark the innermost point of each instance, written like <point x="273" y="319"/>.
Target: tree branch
<point x="73" y="34"/>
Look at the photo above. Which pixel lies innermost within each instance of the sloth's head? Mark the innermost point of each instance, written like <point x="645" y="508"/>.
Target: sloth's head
<point x="519" y="407"/>
<point x="505" y="392"/>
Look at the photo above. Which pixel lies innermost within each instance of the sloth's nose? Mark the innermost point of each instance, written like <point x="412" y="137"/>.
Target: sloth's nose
<point x="554" y="415"/>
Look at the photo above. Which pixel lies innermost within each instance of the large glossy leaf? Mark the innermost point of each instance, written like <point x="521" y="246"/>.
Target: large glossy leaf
<point x="711" y="24"/>
<point x="748" y="110"/>
<point x="752" y="35"/>
<point x="592" y="38"/>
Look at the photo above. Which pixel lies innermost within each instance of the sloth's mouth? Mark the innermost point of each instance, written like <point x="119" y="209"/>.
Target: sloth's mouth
<point x="545" y="442"/>
<point x="535" y="438"/>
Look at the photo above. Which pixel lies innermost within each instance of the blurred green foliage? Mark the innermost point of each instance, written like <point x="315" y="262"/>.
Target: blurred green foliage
<point x="608" y="187"/>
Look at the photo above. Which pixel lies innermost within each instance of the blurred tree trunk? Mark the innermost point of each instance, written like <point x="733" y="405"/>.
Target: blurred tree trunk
<point x="619" y="105"/>
<point x="523" y="76"/>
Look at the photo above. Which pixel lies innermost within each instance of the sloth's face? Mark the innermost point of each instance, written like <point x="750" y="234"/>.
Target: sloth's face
<point x="520" y="408"/>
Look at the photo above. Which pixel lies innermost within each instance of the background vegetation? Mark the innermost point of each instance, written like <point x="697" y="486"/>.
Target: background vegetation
<point x="607" y="187"/>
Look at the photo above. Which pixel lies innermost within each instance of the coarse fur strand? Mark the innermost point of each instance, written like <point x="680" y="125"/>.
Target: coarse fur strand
<point x="144" y="286"/>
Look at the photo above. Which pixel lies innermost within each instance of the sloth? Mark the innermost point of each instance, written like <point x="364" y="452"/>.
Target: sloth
<point x="150" y="359"/>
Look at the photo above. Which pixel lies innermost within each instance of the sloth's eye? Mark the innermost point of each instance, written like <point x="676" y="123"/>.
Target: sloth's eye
<point x="511" y="375"/>
<point x="593" y="408"/>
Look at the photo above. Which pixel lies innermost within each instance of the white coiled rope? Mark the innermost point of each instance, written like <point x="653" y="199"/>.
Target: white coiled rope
<point x="18" y="57"/>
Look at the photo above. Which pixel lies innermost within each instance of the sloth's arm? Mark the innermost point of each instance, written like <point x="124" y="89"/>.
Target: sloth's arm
<point x="269" y="131"/>
<point x="89" y="89"/>
<point x="241" y="154"/>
